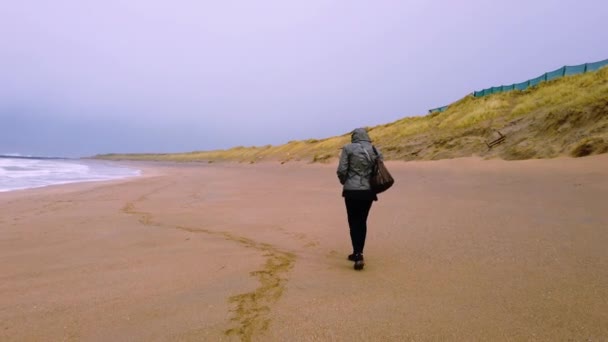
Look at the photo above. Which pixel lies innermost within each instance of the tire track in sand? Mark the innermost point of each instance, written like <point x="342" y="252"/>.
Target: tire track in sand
<point x="251" y="309"/>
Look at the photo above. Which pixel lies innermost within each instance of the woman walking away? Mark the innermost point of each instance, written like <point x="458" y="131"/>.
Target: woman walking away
<point x="354" y="170"/>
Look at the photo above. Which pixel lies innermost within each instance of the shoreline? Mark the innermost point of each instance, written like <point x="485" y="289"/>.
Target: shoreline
<point x="75" y="178"/>
<point x="69" y="183"/>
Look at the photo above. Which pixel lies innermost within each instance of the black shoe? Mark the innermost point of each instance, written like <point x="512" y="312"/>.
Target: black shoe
<point x="359" y="262"/>
<point x="352" y="257"/>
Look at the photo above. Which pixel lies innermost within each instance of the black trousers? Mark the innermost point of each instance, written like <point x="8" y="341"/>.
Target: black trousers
<point x="357" y="211"/>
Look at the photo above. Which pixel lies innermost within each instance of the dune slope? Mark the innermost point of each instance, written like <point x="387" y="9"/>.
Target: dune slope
<point x="567" y="116"/>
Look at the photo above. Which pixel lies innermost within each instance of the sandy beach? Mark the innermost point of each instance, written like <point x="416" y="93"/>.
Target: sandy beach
<point x="462" y="249"/>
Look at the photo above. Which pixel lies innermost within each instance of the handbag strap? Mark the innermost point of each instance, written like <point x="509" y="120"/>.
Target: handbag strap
<point x="367" y="154"/>
<point x="375" y="151"/>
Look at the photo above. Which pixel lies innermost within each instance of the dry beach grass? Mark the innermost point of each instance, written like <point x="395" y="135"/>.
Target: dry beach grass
<point x="567" y="116"/>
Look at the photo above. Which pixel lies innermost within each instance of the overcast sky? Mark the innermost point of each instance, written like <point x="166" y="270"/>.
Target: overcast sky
<point x="84" y="77"/>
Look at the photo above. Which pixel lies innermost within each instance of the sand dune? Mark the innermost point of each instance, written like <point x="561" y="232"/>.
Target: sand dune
<point x="459" y="249"/>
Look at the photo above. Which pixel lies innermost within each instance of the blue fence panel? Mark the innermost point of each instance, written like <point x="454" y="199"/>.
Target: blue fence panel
<point x="596" y="65"/>
<point x="438" y="110"/>
<point x="574" y="69"/>
<point x="556" y="73"/>
<point x="521" y="86"/>
<point x="536" y="81"/>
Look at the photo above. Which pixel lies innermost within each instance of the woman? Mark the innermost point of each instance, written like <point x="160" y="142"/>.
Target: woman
<point x="354" y="171"/>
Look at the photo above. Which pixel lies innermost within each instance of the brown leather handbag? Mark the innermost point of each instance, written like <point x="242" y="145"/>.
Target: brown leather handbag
<point x="380" y="179"/>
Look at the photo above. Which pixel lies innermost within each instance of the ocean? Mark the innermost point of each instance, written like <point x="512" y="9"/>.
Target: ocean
<point x="18" y="172"/>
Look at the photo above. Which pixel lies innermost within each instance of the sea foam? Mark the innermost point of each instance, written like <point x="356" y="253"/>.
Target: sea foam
<point x="18" y="173"/>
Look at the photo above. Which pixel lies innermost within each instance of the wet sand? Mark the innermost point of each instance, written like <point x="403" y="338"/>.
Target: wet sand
<point x="459" y="249"/>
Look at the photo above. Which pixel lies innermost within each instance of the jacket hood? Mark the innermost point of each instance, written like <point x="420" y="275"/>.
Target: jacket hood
<point x="358" y="135"/>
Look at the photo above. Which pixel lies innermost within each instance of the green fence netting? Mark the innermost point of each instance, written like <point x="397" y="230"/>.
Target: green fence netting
<point x="548" y="76"/>
<point x="576" y="69"/>
<point x="438" y="110"/>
